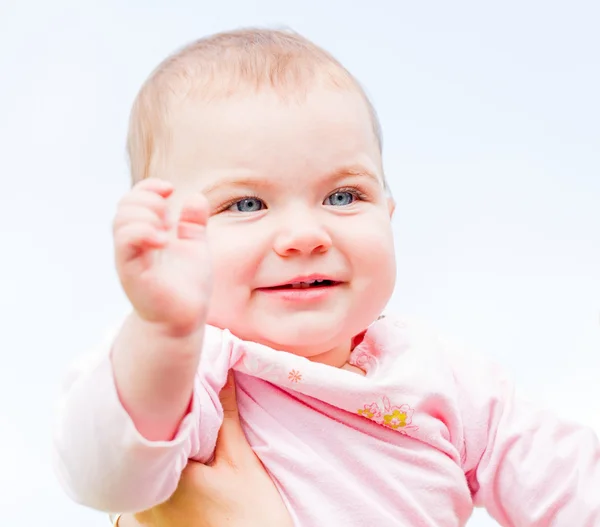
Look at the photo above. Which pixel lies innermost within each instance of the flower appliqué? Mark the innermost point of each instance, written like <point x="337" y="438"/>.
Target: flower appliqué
<point x="395" y="417"/>
<point x="361" y="359"/>
<point x="294" y="376"/>
<point x="371" y="411"/>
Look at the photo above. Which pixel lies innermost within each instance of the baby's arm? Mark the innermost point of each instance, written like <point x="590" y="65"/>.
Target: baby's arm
<point x="154" y="375"/>
<point x="526" y="466"/>
<point x="128" y="423"/>
<point x="100" y="457"/>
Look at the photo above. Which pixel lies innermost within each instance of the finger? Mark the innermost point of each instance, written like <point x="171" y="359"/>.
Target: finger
<point x="158" y="186"/>
<point x="138" y="214"/>
<point x="231" y="440"/>
<point x="193" y="218"/>
<point x="148" y="200"/>
<point x="134" y="238"/>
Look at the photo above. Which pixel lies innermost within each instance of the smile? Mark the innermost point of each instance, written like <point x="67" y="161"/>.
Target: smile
<point x="309" y="289"/>
<point x="304" y="284"/>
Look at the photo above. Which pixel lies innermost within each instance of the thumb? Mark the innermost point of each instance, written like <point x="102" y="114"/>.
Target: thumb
<point x="228" y="397"/>
<point x="231" y="440"/>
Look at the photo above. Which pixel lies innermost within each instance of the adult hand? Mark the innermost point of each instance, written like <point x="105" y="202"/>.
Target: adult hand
<point x="234" y="491"/>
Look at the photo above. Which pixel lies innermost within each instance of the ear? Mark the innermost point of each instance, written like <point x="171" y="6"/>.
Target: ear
<point x="391" y="206"/>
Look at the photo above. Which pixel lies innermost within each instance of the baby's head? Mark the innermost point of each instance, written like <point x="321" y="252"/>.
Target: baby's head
<point x="286" y="147"/>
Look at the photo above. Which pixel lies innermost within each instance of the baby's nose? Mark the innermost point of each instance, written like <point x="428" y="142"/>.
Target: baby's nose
<point x="302" y="236"/>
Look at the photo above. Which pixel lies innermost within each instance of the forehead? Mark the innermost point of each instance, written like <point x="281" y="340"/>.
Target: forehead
<point x="264" y="134"/>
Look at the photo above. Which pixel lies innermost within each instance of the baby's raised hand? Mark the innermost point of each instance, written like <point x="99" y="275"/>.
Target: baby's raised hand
<point x="163" y="264"/>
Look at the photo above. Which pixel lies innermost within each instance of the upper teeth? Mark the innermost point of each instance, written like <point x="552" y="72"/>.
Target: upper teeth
<point x="299" y="285"/>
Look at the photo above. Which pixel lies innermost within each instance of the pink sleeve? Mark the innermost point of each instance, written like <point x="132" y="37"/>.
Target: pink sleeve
<point x="100" y="458"/>
<point x="526" y="466"/>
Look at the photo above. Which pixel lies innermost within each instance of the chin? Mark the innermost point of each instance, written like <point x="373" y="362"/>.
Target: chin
<point x="305" y="334"/>
<point x="303" y="339"/>
<point x="307" y="350"/>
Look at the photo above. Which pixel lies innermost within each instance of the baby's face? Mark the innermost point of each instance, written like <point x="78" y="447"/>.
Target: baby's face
<point x="296" y="194"/>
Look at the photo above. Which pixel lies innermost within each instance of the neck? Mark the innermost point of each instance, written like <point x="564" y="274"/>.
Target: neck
<point x="336" y="357"/>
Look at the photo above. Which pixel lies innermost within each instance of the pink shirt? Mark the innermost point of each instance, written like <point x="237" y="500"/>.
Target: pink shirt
<point x="428" y="433"/>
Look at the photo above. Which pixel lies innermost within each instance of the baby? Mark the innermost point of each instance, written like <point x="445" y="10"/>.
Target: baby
<point x="257" y="238"/>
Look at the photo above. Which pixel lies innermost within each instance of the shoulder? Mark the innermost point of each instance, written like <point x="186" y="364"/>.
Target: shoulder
<point x="414" y="339"/>
<point x="391" y="330"/>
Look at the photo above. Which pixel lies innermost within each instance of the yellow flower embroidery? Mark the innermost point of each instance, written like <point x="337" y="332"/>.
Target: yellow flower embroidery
<point x="366" y="413"/>
<point x="370" y="411"/>
<point x="396" y="419"/>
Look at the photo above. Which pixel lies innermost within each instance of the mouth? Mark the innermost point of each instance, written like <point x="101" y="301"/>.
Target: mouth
<point x="304" y="284"/>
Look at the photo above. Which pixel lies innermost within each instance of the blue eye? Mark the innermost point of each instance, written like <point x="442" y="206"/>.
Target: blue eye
<point x="340" y="198"/>
<point x="248" y="205"/>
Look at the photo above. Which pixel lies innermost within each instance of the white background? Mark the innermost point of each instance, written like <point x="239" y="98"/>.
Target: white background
<point x="491" y="119"/>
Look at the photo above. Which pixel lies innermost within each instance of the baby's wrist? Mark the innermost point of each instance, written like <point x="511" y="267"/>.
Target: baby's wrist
<point x="172" y="331"/>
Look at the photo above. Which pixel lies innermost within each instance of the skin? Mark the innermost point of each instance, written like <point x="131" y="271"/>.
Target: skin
<point x="292" y="156"/>
<point x="235" y="490"/>
<point x="256" y="192"/>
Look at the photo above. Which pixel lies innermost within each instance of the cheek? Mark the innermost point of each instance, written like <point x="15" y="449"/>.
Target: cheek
<point x="236" y="254"/>
<point x="371" y="238"/>
<point x="372" y="253"/>
<point x="235" y="257"/>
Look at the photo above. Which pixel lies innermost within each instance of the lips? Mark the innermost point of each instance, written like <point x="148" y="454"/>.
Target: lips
<point x="305" y="284"/>
<point x="312" y="281"/>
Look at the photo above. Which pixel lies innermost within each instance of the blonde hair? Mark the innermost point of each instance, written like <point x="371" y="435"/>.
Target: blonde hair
<point x="222" y="65"/>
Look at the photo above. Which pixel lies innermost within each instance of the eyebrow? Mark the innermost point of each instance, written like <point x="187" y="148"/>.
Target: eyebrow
<point x="245" y="181"/>
<point x="259" y="182"/>
<point x="354" y="170"/>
